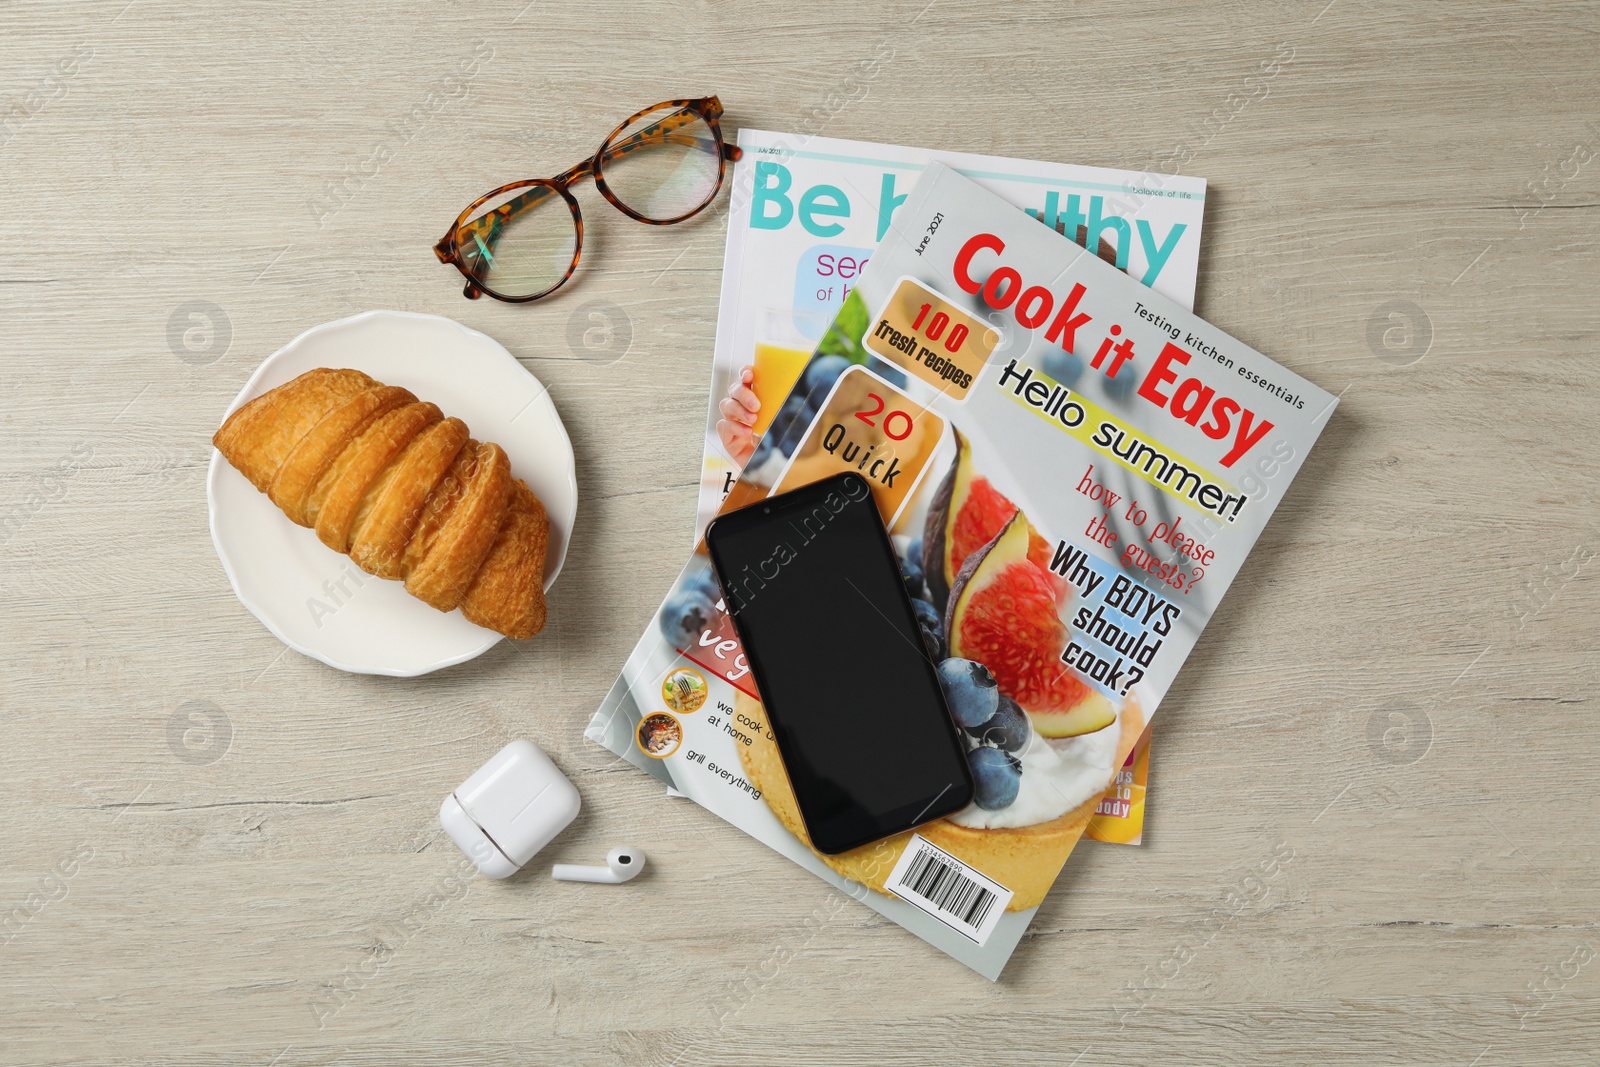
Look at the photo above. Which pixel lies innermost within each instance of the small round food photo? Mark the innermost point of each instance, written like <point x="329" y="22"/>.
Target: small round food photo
<point x="685" y="690"/>
<point x="659" y="735"/>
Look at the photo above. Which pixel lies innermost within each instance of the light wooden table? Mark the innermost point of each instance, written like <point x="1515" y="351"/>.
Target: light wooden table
<point x="1397" y="692"/>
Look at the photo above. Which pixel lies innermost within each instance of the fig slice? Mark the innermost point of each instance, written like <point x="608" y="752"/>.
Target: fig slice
<point x="938" y="568"/>
<point x="1002" y="613"/>
<point x="1094" y="712"/>
<point x="967" y="512"/>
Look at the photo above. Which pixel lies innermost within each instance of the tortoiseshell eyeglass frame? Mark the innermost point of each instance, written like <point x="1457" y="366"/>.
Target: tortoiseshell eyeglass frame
<point x="707" y="109"/>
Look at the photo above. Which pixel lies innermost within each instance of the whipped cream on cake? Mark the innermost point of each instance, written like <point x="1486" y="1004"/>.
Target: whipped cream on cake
<point x="1057" y="776"/>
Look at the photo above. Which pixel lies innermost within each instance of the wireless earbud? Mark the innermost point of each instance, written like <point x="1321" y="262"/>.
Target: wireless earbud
<point x="622" y="864"/>
<point x="512" y="807"/>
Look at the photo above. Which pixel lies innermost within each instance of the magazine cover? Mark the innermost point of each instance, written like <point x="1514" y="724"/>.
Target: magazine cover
<point x="1073" y="468"/>
<point x="810" y="213"/>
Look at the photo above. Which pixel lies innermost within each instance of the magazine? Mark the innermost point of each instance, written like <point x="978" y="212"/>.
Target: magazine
<point x="811" y="211"/>
<point x="1072" y="484"/>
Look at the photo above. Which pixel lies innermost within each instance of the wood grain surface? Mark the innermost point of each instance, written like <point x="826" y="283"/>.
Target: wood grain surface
<point x="225" y="853"/>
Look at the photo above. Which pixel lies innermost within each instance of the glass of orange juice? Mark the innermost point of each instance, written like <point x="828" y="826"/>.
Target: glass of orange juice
<point x="781" y="354"/>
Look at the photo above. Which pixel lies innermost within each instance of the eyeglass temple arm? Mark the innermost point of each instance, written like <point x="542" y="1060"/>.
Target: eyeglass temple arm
<point x="643" y="140"/>
<point x="665" y="131"/>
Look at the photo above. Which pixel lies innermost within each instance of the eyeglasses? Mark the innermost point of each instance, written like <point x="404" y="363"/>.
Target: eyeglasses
<point x="522" y="241"/>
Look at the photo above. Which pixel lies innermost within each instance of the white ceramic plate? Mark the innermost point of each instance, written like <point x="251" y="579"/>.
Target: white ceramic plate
<point x="317" y="601"/>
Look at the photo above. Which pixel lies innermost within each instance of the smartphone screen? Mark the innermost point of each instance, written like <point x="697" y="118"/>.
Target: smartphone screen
<point x="813" y="587"/>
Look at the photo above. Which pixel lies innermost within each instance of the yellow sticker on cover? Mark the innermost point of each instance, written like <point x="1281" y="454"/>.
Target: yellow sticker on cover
<point x="1119" y="817"/>
<point x="869" y="426"/>
<point x="923" y="333"/>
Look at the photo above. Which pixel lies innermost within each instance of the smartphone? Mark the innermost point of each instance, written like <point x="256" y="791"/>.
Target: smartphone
<point x="813" y="588"/>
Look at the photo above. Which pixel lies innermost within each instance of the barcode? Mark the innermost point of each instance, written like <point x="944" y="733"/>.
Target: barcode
<point x="947" y="889"/>
<point x="953" y="892"/>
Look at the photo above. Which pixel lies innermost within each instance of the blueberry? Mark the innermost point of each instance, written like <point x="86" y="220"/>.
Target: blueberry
<point x="1009" y="729"/>
<point x="793" y="406"/>
<point x="1061" y="365"/>
<point x="911" y="571"/>
<point x="823" y="372"/>
<point x="996" y="775"/>
<point x="686" y="615"/>
<point x="790" y="424"/>
<point x="891" y="374"/>
<point x="1119" y="387"/>
<point x="970" y="690"/>
<point x="704" y="581"/>
<point x="763" y="451"/>
<point x="929" y="623"/>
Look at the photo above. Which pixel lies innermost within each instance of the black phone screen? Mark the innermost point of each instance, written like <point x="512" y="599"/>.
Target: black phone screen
<point x="813" y="587"/>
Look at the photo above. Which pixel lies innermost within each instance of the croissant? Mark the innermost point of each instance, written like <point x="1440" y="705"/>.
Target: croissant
<point x="402" y="490"/>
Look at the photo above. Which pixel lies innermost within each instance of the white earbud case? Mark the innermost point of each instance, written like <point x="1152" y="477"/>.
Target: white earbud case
<point x="509" y="809"/>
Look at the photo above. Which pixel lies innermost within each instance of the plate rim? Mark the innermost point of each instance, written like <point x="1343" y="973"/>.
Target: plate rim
<point x="247" y="393"/>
